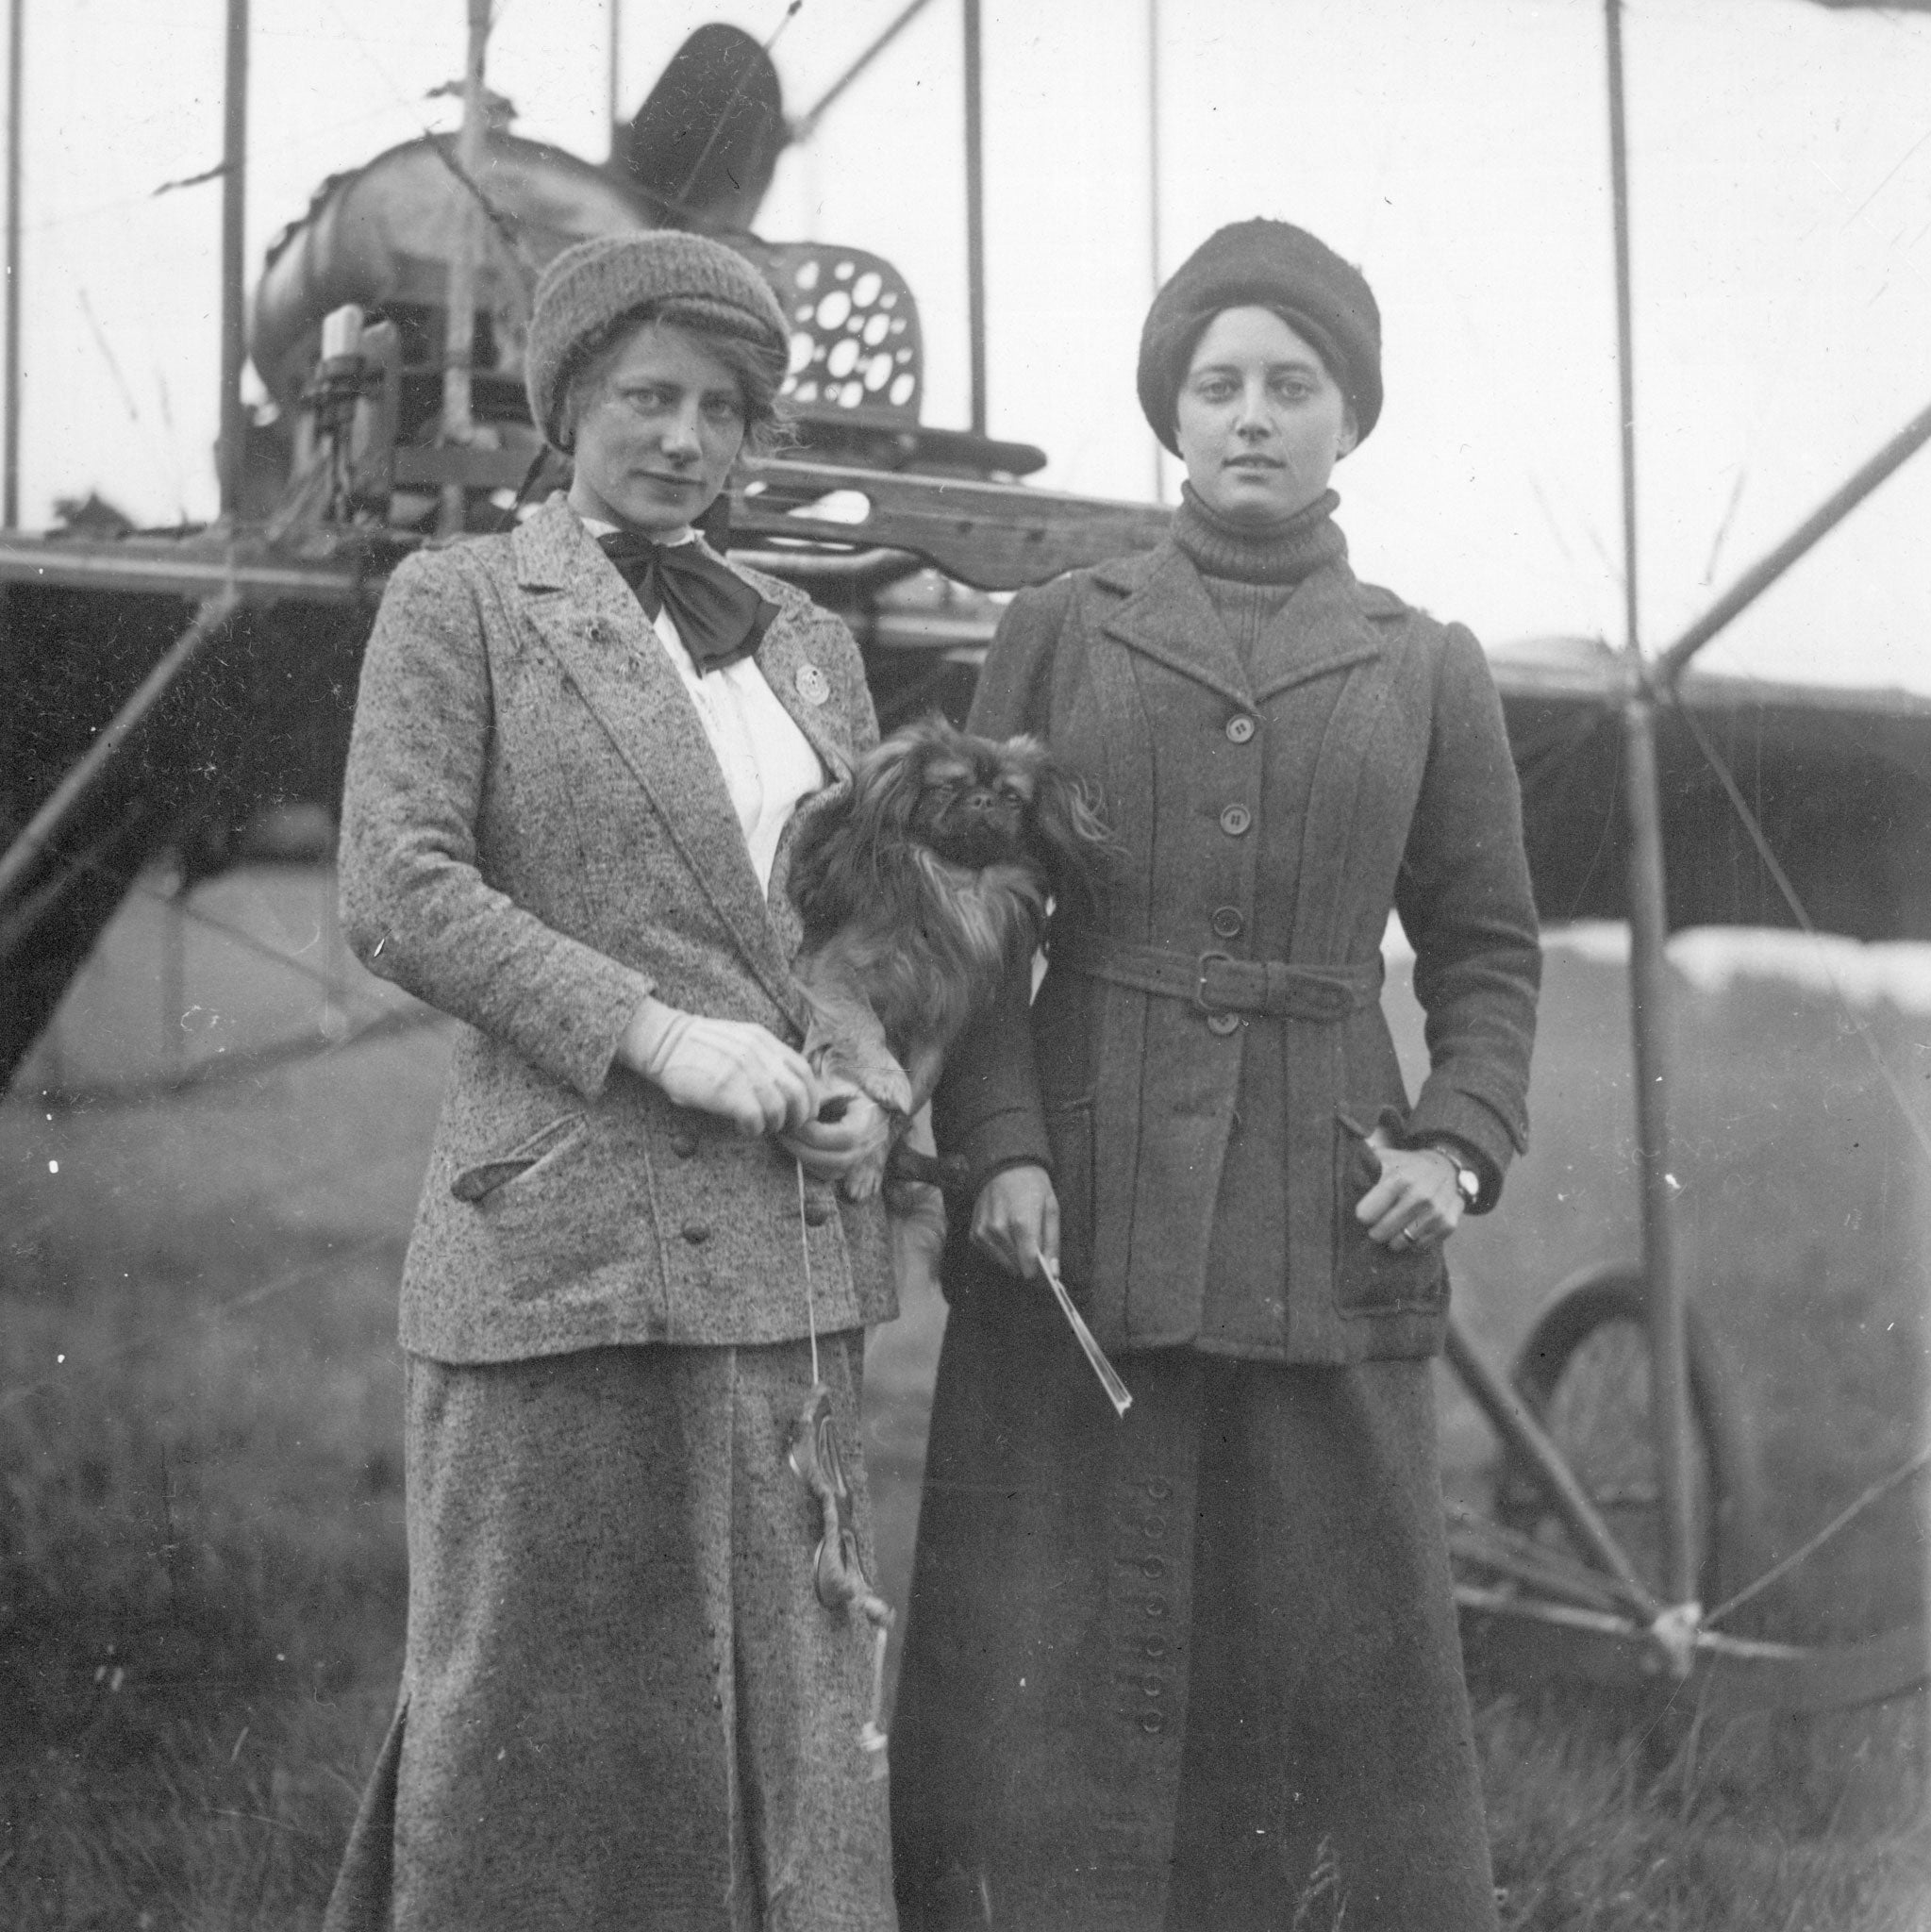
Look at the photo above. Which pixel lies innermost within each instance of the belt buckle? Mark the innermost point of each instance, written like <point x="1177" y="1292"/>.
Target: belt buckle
<point x="1331" y="1001"/>
<point x="1200" y="998"/>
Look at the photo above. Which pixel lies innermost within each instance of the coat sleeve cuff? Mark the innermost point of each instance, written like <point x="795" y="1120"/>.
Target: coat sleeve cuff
<point x="578" y="1040"/>
<point x="1465" y="1119"/>
<point x="1016" y="1137"/>
<point x="1465" y="1153"/>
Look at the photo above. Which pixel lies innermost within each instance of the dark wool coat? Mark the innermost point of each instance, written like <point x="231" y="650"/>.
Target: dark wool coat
<point x="1162" y="1671"/>
<point x="1272" y="809"/>
<point x="535" y="835"/>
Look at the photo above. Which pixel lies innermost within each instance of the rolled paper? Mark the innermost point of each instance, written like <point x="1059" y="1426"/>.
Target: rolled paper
<point x="1110" y="1378"/>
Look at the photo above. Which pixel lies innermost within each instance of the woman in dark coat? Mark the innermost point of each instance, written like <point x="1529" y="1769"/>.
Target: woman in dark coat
<point x="582" y="752"/>
<point x="1199" y="1668"/>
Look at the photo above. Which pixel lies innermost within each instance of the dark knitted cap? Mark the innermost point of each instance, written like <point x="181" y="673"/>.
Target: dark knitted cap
<point x="590" y="288"/>
<point x="1270" y="265"/>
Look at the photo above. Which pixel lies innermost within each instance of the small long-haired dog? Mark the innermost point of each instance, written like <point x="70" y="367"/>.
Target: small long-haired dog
<point x="921" y="893"/>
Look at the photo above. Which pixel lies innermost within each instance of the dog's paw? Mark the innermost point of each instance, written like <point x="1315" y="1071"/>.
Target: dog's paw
<point x="888" y="1086"/>
<point x="867" y="1066"/>
<point x="862" y="1181"/>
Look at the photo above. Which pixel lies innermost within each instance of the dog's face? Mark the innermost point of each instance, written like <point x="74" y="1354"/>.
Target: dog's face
<point x="974" y="802"/>
<point x="969" y="801"/>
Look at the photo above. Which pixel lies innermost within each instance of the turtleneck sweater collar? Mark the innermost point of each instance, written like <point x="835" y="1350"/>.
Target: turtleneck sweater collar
<point x="1282" y="555"/>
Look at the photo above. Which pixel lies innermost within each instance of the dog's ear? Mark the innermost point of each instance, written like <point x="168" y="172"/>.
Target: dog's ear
<point x="841" y="856"/>
<point x="1069" y="837"/>
<point x="885" y="791"/>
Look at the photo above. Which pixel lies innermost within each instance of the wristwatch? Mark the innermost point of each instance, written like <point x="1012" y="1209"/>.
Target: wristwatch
<point x="1468" y="1182"/>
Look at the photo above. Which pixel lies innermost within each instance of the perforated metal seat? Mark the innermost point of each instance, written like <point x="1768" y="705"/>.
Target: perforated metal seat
<point x="856" y="346"/>
<point x="856" y="379"/>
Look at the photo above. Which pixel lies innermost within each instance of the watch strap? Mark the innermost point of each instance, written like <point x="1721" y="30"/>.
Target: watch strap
<point x="1467" y="1177"/>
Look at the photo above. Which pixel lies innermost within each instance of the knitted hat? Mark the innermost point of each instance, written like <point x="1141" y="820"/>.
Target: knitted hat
<point x="1270" y="265"/>
<point x="595" y="284"/>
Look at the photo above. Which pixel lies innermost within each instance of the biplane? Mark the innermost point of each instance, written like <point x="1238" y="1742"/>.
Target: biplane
<point x="163" y="689"/>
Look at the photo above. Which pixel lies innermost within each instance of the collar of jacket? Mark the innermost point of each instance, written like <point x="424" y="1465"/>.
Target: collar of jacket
<point x="1330" y="623"/>
<point x="590" y="621"/>
<point x="554" y="552"/>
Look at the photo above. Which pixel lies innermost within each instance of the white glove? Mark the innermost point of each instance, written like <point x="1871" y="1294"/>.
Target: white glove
<point x="732" y="1068"/>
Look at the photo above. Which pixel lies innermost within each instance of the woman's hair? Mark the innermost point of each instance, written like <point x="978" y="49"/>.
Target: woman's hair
<point x="758" y="370"/>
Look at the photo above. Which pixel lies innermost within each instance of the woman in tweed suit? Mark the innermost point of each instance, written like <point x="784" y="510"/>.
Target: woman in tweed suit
<point x="580" y="756"/>
<point x="1196" y="1670"/>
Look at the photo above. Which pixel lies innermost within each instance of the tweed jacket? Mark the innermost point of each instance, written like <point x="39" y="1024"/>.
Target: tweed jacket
<point x="535" y="835"/>
<point x="1272" y="809"/>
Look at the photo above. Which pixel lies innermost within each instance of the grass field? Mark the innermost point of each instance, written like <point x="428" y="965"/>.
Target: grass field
<point x="201" y="1572"/>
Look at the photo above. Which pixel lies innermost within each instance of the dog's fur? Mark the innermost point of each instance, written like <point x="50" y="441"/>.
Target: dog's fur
<point x="921" y="892"/>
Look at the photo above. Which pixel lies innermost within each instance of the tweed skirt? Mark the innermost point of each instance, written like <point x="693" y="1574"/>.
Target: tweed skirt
<point x="623" y="1704"/>
<point x="1194" y="1670"/>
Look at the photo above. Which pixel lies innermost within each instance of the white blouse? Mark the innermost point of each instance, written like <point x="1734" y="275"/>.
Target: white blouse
<point x="767" y="762"/>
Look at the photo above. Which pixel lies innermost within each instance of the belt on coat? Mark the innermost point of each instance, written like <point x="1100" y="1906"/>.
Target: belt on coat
<point x="1216" y="982"/>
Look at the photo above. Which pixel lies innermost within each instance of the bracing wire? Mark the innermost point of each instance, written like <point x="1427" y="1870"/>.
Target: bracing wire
<point x="161" y="450"/>
<point x="228" y="1069"/>
<point x="140" y="888"/>
<point x="806" y="124"/>
<point x="442" y="146"/>
<point x="1840" y="1521"/>
<point x="1781" y="880"/>
<point x="323" y="1265"/>
<point x="108" y="355"/>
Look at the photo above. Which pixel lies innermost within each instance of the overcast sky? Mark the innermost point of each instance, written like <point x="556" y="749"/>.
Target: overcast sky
<point x="1781" y="155"/>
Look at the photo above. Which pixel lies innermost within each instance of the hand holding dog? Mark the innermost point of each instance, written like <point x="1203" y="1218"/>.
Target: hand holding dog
<point x="732" y="1068"/>
<point x="831" y="1149"/>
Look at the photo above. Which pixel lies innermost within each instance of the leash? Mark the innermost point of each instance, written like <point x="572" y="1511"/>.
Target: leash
<point x="838" y="1572"/>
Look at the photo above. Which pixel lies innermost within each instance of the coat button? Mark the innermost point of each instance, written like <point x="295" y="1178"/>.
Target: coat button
<point x="1239" y="728"/>
<point x="683" y="1144"/>
<point x="697" y="1232"/>
<point x="1234" y="820"/>
<point x="818" y="1211"/>
<point x="1223" y="1024"/>
<point x="1227" y="922"/>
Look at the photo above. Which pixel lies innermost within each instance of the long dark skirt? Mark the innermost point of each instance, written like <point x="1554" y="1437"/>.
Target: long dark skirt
<point x="622" y="1705"/>
<point x="1197" y="1671"/>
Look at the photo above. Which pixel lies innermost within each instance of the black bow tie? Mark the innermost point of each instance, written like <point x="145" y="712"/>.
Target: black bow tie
<point x="719" y="616"/>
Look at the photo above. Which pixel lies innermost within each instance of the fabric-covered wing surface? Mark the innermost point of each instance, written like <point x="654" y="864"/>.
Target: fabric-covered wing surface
<point x="1839" y="779"/>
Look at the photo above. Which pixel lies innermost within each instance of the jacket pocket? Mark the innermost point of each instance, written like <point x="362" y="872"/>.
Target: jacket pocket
<point x="1368" y="1278"/>
<point x="482" y="1178"/>
<point x="1070" y="1134"/>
